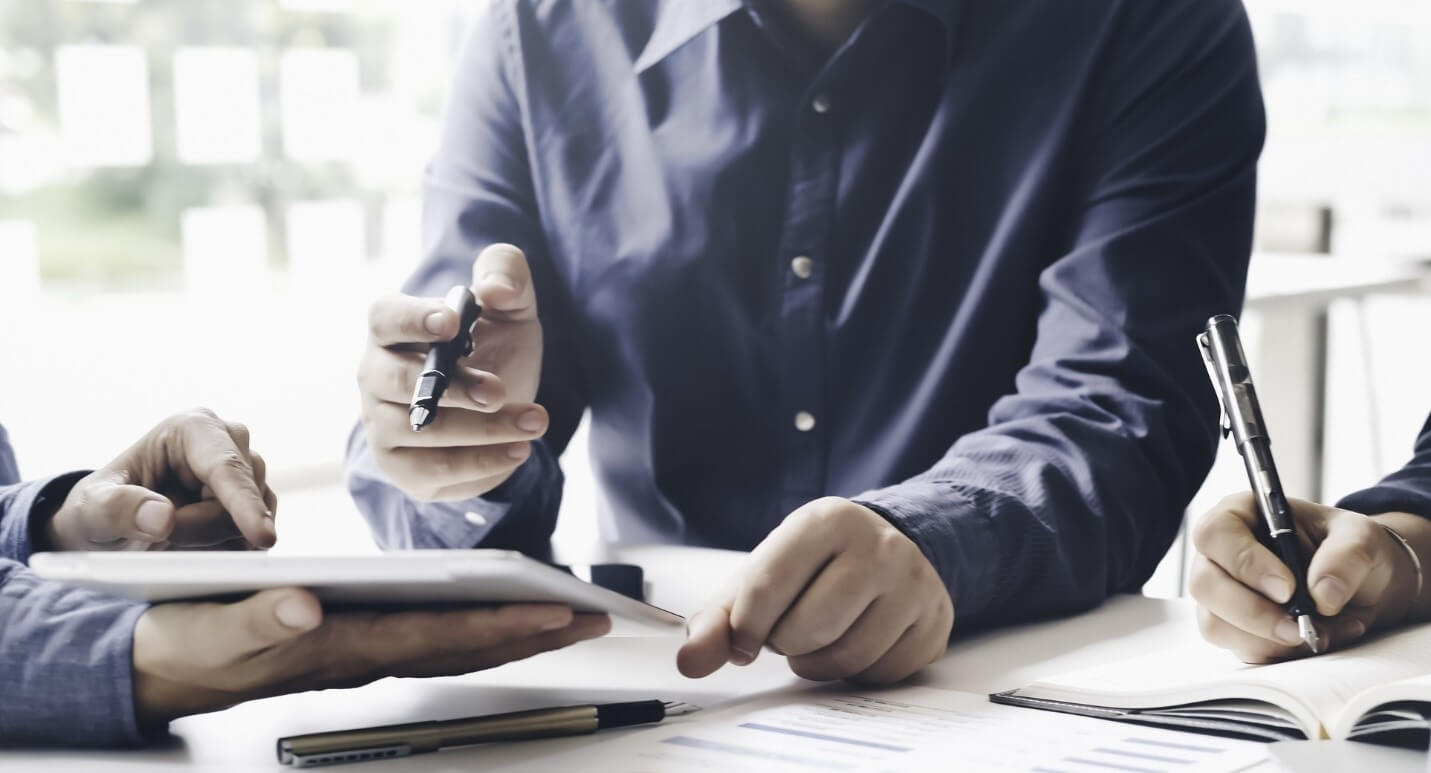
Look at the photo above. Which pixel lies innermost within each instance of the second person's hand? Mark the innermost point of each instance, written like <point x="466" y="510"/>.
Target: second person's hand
<point x="487" y="417"/>
<point x="191" y="482"/>
<point x="191" y="658"/>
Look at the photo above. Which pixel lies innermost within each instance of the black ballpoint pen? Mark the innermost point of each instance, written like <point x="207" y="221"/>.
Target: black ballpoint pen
<point x="1226" y="362"/>
<point x="442" y="358"/>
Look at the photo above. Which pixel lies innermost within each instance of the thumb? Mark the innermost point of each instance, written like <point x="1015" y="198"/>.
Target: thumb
<point x="502" y="282"/>
<point x="111" y="510"/>
<point x="265" y="619"/>
<point x="707" y="646"/>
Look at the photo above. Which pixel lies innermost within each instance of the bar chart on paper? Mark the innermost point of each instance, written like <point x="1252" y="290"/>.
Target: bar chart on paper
<point x="911" y="728"/>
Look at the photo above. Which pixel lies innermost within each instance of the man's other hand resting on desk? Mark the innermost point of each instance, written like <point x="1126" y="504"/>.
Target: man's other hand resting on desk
<point x="835" y="588"/>
<point x="1361" y="576"/>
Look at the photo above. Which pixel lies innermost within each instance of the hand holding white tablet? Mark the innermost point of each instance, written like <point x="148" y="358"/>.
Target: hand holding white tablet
<point x="193" y="658"/>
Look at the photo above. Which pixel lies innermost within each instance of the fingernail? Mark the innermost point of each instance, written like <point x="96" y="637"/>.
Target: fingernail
<point x="477" y="397"/>
<point x="741" y="657"/>
<point x="1275" y="588"/>
<point x="436" y="323"/>
<point x="555" y="623"/>
<point x="1286" y="632"/>
<point x="517" y="452"/>
<point x="501" y="280"/>
<point x="1356" y="629"/>
<point x="531" y="421"/>
<point x="152" y="518"/>
<point x="1331" y="593"/>
<point x="295" y="613"/>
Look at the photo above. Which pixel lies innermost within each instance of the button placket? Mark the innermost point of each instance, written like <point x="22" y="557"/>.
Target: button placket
<point x="801" y="331"/>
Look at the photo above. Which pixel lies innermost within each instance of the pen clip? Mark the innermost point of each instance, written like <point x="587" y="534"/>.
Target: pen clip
<point x="1224" y="421"/>
<point x="287" y="756"/>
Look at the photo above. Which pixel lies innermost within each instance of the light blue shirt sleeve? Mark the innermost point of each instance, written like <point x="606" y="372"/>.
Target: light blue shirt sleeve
<point x="65" y="653"/>
<point x="66" y="659"/>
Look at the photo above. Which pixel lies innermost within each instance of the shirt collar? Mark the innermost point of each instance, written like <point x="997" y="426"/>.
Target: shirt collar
<point x="947" y="12"/>
<point x="677" y="21"/>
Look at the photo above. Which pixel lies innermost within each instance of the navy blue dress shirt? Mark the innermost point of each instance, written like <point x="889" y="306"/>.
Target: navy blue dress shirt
<point x="952" y="270"/>
<point x="1408" y="490"/>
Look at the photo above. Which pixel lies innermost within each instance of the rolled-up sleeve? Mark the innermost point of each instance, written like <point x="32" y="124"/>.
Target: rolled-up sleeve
<point x="1075" y="489"/>
<point x="1408" y="490"/>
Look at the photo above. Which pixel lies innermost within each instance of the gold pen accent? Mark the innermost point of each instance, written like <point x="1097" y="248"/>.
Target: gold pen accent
<point x="389" y="741"/>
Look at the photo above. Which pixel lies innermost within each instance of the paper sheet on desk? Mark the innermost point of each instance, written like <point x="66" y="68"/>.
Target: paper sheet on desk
<point x="912" y="728"/>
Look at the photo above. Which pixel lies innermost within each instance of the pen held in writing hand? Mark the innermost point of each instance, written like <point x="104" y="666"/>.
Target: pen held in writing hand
<point x="1227" y="367"/>
<point x="442" y="357"/>
<point x="375" y="743"/>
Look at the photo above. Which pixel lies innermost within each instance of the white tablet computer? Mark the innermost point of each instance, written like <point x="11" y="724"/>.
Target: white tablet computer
<point x="397" y="579"/>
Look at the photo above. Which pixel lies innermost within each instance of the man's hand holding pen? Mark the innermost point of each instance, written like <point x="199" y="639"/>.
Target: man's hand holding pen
<point x="1360" y="576"/>
<point x="488" y="416"/>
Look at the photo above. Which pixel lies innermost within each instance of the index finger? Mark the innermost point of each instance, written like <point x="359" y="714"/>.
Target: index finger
<point x="403" y="319"/>
<point x="215" y="458"/>
<point x="1225" y="537"/>
<point x="778" y="571"/>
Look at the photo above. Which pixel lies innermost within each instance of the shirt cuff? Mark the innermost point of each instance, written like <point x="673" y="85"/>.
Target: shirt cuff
<point x="959" y="540"/>
<point x="67" y="666"/>
<point x="1391" y="496"/>
<point x="511" y="516"/>
<point x="29" y="510"/>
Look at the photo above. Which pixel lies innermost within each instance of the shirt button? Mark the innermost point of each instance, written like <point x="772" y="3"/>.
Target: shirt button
<point x="821" y="103"/>
<point x="804" y="421"/>
<point x="802" y="267"/>
<point x="476" y="519"/>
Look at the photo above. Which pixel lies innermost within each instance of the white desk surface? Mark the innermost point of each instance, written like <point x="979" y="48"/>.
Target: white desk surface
<point x="242" y="738"/>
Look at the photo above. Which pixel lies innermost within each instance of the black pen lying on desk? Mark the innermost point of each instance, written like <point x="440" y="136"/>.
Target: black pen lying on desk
<point x="1221" y="348"/>
<point x="380" y="743"/>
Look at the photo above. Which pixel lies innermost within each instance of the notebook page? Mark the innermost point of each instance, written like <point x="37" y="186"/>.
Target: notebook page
<point x="900" y="729"/>
<point x="1313" y="689"/>
<point x="1416" y="689"/>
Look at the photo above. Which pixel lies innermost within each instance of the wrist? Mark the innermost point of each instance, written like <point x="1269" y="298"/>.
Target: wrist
<point x="47" y="505"/>
<point x="160" y="694"/>
<point x="1406" y="594"/>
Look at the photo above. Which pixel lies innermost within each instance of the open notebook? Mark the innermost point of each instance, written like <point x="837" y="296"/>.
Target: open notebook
<point x="1378" y="691"/>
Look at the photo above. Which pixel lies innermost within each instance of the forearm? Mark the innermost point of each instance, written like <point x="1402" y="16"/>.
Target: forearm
<point x="1416" y="530"/>
<point x="1043" y="515"/>
<point x="24" y="510"/>
<point x="65" y="664"/>
<point x="518" y="515"/>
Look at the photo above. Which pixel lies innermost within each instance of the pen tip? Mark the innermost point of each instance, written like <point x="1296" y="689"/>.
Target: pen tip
<point x="680" y="708"/>
<point x="1309" y="634"/>
<point x="418" y="416"/>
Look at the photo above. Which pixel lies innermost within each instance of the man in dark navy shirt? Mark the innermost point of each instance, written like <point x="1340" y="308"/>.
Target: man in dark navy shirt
<point x="900" y="295"/>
